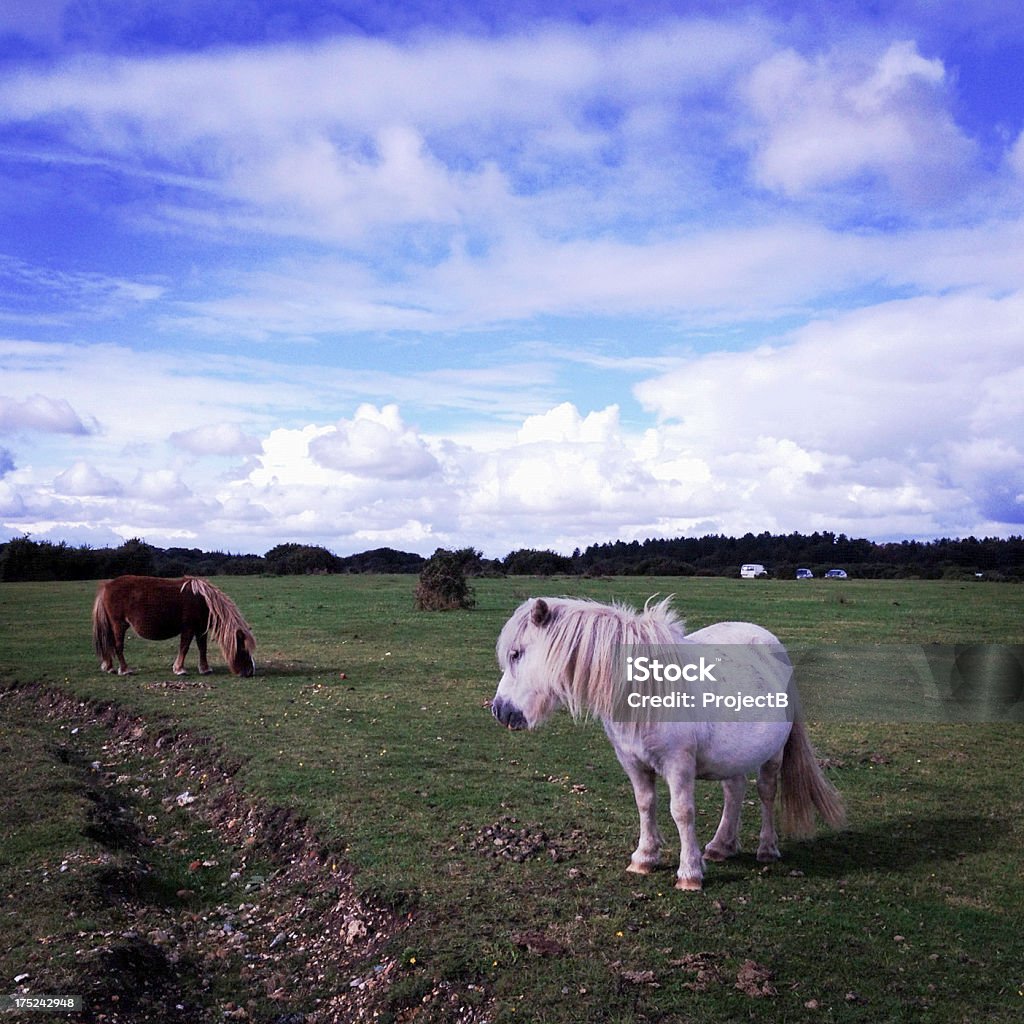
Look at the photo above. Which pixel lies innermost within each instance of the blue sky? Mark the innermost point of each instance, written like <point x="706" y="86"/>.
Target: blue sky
<point x="510" y="275"/>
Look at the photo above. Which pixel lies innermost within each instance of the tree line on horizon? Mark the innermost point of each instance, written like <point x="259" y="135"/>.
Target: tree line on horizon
<point x="993" y="558"/>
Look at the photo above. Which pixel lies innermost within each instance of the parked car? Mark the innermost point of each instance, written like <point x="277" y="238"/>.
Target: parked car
<point x="804" y="574"/>
<point x="752" y="571"/>
<point x="836" y="574"/>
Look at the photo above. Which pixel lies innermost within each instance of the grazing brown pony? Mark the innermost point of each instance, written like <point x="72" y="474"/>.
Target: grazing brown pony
<point x="158" y="609"/>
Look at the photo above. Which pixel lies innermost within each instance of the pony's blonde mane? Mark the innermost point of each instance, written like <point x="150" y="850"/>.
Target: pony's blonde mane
<point x="581" y="638"/>
<point x="225" y="620"/>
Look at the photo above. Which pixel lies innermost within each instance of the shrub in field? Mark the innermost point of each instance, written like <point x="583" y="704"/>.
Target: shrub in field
<point x="442" y="585"/>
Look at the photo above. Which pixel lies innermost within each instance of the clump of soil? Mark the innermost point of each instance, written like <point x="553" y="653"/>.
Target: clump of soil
<point x="507" y="838"/>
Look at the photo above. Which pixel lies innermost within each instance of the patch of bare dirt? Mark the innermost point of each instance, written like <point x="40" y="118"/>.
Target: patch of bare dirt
<point x="515" y="841"/>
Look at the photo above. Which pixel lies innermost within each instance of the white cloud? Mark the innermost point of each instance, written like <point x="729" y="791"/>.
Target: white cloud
<point x="12" y="504"/>
<point x="825" y="121"/>
<point x="485" y="214"/>
<point x="333" y="138"/>
<point x="565" y="424"/>
<point x="39" y="412"/>
<point x="374" y="444"/>
<point x="892" y="391"/>
<point x="83" y="479"/>
<point x="159" y="485"/>
<point x="216" y="439"/>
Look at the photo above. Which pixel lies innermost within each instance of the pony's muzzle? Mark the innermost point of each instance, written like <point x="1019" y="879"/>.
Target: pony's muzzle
<point x="507" y="713"/>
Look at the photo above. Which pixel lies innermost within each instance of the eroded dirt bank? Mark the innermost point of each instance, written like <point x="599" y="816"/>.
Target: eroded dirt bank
<point x="186" y="900"/>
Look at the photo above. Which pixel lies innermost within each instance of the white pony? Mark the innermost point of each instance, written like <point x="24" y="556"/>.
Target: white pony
<point x="562" y="651"/>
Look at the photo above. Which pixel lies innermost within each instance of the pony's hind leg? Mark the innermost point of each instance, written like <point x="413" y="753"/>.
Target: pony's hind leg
<point x="767" y="783"/>
<point x="726" y="842"/>
<point x="120" y="628"/>
<point x="648" y="850"/>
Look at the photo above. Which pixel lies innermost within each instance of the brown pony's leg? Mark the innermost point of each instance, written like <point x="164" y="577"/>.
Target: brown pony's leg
<point x="120" y="627"/>
<point x="204" y="665"/>
<point x="178" y="668"/>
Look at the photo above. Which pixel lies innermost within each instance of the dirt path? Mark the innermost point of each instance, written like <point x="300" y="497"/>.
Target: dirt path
<point x="158" y="891"/>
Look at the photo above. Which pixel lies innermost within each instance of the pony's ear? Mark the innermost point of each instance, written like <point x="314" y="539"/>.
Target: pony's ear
<point x="541" y="614"/>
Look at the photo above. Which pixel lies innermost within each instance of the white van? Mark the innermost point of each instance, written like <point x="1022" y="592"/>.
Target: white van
<point x="752" y="571"/>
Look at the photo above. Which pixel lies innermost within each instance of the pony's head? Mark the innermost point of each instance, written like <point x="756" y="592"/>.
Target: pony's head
<point x="562" y="651"/>
<point x="523" y="698"/>
<point x="227" y="625"/>
<point x="240" y="659"/>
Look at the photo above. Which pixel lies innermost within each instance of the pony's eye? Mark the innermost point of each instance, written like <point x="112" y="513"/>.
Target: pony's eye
<point x="514" y="656"/>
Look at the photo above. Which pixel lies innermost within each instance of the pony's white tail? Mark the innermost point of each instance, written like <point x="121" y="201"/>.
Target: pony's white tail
<point x="102" y="631"/>
<point x="805" y="788"/>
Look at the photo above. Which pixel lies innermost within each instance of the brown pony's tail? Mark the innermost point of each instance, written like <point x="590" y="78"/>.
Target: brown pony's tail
<point x="102" y="630"/>
<point x="805" y="788"/>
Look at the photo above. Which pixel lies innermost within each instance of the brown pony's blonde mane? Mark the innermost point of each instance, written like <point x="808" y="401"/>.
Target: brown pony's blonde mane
<point x="581" y="638"/>
<point x="225" y="621"/>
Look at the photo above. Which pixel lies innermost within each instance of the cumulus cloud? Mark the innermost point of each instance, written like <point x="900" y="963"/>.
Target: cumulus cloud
<point x="375" y="443"/>
<point x="12" y="504"/>
<point x="889" y="406"/>
<point x="83" y="479"/>
<point x="38" y="412"/>
<point x="159" y="485"/>
<point x="888" y="378"/>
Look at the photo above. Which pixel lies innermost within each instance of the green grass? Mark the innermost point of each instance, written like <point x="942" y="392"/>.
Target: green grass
<point x="912" y="913"/>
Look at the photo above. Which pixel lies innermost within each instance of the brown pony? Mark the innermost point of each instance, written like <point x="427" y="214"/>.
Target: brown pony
<point x="158" y="609"/>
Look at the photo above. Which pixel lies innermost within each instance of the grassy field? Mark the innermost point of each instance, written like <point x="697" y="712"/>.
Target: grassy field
<point x="503" y="852"/>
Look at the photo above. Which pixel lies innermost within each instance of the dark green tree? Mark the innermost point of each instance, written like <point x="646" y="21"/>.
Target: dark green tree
<point x="442" y="585"/>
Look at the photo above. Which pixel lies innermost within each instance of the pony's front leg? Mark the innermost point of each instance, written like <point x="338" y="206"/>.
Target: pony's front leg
<point x="726" y="842"/>
<point x="204" y="665"/>
<point x="648" y="849"/>
<point x="681" y="779"/>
